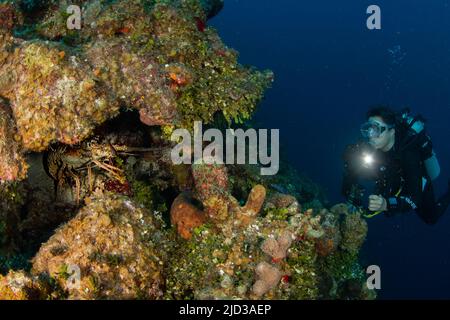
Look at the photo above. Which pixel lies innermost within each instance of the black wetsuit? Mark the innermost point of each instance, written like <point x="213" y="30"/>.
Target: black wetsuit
<point x="399" y="175"/>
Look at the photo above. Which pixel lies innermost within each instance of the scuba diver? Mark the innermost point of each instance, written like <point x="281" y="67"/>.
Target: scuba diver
<point x="392" y="169"/>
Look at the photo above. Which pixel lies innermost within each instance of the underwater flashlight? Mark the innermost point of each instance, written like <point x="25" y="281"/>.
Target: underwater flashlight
<point x="368" y="160"/>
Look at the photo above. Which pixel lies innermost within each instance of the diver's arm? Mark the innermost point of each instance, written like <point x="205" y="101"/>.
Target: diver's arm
<point x="411" y="195"/>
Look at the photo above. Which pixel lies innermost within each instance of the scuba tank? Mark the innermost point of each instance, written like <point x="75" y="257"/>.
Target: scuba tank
<point x="417" y="124"/>
<point x="415" y="131"/>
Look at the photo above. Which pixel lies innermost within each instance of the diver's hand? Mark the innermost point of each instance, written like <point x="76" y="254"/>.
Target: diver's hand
<point x="377" y="203"/>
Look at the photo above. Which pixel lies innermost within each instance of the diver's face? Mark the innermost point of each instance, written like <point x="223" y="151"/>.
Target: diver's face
<point x="386" y="139"/>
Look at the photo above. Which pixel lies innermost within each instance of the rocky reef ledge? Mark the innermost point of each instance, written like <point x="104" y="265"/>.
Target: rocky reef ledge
<point x="91" y="206"/>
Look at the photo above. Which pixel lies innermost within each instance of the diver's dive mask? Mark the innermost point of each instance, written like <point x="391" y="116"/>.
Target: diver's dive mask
<point x="373" y="129"/>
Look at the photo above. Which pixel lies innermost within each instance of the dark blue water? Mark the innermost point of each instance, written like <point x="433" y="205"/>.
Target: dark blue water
<point x="329" y="69"/>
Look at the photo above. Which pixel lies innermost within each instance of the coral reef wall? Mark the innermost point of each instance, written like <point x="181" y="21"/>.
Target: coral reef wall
<point x="91" y="206"/>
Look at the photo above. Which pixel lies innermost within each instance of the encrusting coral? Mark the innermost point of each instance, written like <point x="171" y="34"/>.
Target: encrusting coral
<point x="20" y="286"/>
<point x="136" y="79"/>
<point x="10" y="15"/>
<point x="117" y="248"/>
<point x="52" y="93"/>
<point x="331" y="239"/>
<point x="211" y="180"/>
<point x="354" y="231"/>
<point x="12" y="161"/>
<point x="280" y="200"/>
